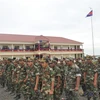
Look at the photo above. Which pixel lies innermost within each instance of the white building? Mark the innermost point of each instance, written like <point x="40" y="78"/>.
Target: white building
<point x="18" y="46"/>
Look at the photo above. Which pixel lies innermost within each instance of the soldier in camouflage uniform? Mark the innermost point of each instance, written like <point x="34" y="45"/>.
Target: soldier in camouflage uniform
<point x="12" y="83"/>
<point x="78" y="62"/>
<point x="83" y="63"/>
<point x="98" y="67"/>
<point x="10" y="68"/>
<point x="31" y="81"/>
<point x="14" y="76"/>
<point x="90" y="79"/>
<point x="47" y="89"/>
<point x="21" y="75"/>
<point x="72" y="80"/>
<point x="38" y="65"/>
<point x="1" y="67"/>
<point x="57" y="89"/>
<point x="3" y="77"/>
<point x="61" y="66"/>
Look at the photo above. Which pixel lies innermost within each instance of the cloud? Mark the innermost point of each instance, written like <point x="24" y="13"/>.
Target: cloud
<point x="65" y="18"/>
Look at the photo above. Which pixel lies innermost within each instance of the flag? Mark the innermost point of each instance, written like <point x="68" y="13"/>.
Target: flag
<point x="90" y="14"/>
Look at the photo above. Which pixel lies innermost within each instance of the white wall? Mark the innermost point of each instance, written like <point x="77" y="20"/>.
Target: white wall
<point x="9" y="45"/>
<point x="20" y="46"/>
<point x="0" y="46"/>
<point x="64" y="46"/>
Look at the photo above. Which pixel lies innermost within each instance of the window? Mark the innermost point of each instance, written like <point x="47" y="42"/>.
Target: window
<point x="27" y="47"/>
<point x="5" y="48"/>
<point x="16" y="47"/>
<point x="55" y="47"/>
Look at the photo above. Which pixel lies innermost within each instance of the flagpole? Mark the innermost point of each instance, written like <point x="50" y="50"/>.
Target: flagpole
<point x="90" y="14"/>
<point x="92" y="35"/>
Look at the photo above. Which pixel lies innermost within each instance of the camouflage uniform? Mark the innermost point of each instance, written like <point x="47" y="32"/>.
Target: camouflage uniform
<point x="82" y="68"/>
<point x="3" y="78"/>
<point x="21" y="75"/>
<point x="61" y="66"/>
<point x="14" y="76"/>
<point x="30" y="82"/>
<point x="71" y="73"/>
<point x="10" y="68"/>
<point x="90" y="71"/>
<point x="1" y="67"/>
<point x="57" y="71"/>
<point x="98" y="67"/>
<point x="47" y="79"/>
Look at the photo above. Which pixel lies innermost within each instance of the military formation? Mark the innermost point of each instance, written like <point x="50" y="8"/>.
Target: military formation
<point x="51" y="79"/>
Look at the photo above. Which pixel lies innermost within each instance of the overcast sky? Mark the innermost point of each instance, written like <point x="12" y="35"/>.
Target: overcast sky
<point x="65" y="18"/>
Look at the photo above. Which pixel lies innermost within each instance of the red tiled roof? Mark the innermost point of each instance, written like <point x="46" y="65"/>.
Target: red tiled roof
<point x="16" y="38"/>
<point x="63" y="40"/>
<point x="33" y="38"/>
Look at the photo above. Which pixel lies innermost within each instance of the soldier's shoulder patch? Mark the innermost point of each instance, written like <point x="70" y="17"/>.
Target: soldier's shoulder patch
<point x="50" y="68"/>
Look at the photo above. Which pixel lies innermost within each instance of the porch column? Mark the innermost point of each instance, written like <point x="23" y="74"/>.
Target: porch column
<point x="12" y="57"/>
<point x="39" y="45"/>
<point x="24" y="56"/>
<point x="24" y="47"/>
<point x="12" y="47"/>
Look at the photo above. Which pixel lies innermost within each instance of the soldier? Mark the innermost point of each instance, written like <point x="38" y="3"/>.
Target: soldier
<point x="83" y="64"/>
<point x="21" y="75"/>
<point x="47" y="89"/>
<point x="78" y="62"/>
<point x="56" y="69"/>
<point x="14" y="77"/>
<point x="1" y="67"/>
<point x="72" y="80"/>
<point x="3" y="78"/>
<point x="61" y="66"/>
<point x="90" y="79"/>
<point x="31" y="81"/>
<point x="9" y="71"/>
<point x="98" y="67"/>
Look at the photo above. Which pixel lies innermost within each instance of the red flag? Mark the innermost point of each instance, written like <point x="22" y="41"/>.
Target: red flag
<point x="90" y="14"/>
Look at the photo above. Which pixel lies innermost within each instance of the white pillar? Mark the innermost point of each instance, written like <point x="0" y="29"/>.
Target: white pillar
<point x="12" y="47"/>
<point x="53" y="46"/>
<point x="61" y="47"/>
<point x="12" y="57"/>
<point x="24" y="56"/>
<point x="24" y="47"/>
<point x="0" y="57"/>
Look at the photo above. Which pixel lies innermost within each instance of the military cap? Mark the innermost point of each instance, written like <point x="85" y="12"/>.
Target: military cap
<point x="54" y="61"/>
<point x="9" y="59"/>
<point x="61" y="60"/>
<point x="89" y="58"/>
<point x="98" y="58"/>
<point x="35" y="58"/>
<point x="50" y="61"/>
<point x="83" y="59"/>
<point x="45" y="59"/>
<point x="29" y="59"/>
<point x="67" y="59"/>
<point x="71" y="59"/>
<point x="21" y="59"/>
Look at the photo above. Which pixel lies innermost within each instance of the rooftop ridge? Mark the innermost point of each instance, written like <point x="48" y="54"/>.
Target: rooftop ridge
<point x="31" y="38"/>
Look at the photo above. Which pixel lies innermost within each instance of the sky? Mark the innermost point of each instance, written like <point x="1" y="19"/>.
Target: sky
<point x="64" y="18"/>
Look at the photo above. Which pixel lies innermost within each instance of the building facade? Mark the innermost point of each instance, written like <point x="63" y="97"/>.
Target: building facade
<point x="24" y="46"/>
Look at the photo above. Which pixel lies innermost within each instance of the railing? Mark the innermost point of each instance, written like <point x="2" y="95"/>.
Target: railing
<point x="41" y="49"/>
<point x="66" y="49"/>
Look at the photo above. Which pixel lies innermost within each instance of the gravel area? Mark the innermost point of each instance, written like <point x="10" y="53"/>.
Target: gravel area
<point x="7" y="96"/>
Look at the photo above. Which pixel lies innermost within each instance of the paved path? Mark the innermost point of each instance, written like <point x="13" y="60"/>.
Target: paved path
<point x="7" y="96"/>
